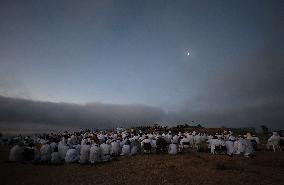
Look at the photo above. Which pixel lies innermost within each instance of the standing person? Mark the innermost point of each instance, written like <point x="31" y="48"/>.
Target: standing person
<point x="274" y="141"/>
<point x="230" y="145"/>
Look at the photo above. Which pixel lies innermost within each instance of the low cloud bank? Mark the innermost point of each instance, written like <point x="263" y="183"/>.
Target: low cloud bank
<point x="31" y="115"/>
<point x="21" y="115"/>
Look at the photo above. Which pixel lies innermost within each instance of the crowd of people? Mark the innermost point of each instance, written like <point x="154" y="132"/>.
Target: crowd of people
<point x="93" y="147"/>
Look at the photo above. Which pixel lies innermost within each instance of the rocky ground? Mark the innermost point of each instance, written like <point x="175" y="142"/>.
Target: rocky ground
<point x="267" y="168"/>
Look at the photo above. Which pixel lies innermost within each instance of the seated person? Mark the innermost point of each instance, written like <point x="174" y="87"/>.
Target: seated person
<point x="72" y="155"/>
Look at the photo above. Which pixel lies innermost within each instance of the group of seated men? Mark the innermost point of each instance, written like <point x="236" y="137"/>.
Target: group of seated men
<point x="100" y="146"/>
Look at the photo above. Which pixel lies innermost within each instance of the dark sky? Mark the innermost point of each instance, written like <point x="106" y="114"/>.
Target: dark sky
<point x="116" y="54"/>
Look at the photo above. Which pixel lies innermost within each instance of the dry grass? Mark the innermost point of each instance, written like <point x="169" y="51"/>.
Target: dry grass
<point x="195" y="168"/>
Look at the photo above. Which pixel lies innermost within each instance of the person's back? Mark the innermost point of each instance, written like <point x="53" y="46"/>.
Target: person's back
<point x="53" y="145"/>
<point x="72" y="156"/>
<point x="248" y="148"/>
<point x="105" y="148"/>
<point x="274" y="141"/>
<point x="230" y="147"/>
<point x="175" y="139"/>
<point x="55" y="157"/>
<point x="239" y="146"/>
<point x="62" y="148"/>
<point x="125" y="150"/>
<point x="115" y="148"/>
<point x="85" y="153"/>
<point x="173" y="149"/>
<point x="135" y="147"/>
<point x="197" y="139"/>
<point x="16" y="153"/>
<point x="214" y="143"/>
<point x="45" y="153"/>
<point x="95" y="154"/>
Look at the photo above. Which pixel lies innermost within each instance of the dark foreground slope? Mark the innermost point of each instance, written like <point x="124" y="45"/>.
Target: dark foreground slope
<point x="266" y="168"/>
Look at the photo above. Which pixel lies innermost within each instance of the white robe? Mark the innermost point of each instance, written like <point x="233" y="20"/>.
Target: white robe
<point x="175" y="139"/>
<point x="16" y="153"/>
<point x="173" y="149"/>
<point x="85" y="153"/>
<point x="274" y="141"/>
<point x="134" y="150"/>
<point x="197" y="139"/>
<point x="105" y="152"/>
<point x="95" y="154"/>
<point x="45" y="152"/>
<point x="213" y="144"/>
<point x="53" y="145"/>
<point x="230" y="147"/>
<point x="248" y="147"/>
<point x="125" y="150"/>
<point x="72" y="156"/>
<point x="239" y="146"/>
<point x="115" y="148"/>
<point x="62" y="149"/>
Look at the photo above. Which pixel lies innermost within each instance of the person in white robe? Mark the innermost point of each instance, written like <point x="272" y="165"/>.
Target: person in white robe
<point x="173" y="149"/>
<point x="191" y="139"/>
<point x="175" y="139"/>
<point x="239" y="145"/>
<point x="126" y="148"/>
<point x="230" y="145"/>
<point x="85" y="153"/>
<point x="72" y="155"/>
<point x="45" y="152"/>
<point x="55" y="157"/>
<point x="197" y="141"/>
<point x="53" y="145"/>
<point x="115" y="148"/>
<point x="248" y="148"/>
<point x="16" y="153"/>
<point x="214" y="143"/>
<point x="135" y="147"/>
<point x="274" y="141"/>
<point x="105" y="148"/>
<point x="95" y="154"/>
<point x="62" y="149"/>
<point x="37" y="148"/>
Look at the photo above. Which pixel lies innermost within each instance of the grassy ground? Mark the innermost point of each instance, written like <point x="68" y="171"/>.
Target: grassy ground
<point x="267" y="168"/>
